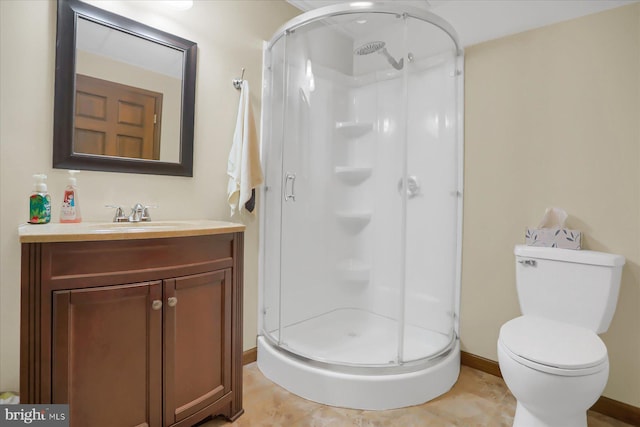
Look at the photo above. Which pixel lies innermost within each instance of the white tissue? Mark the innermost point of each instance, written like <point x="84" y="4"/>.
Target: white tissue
<point x="553" y="218"/>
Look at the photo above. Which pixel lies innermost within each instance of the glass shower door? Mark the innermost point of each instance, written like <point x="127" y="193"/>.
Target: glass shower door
<point x="432" y="206"/>
<point x="306" y="289"/>
<point x="340" y="271"/>
<point x="292" y="208"/>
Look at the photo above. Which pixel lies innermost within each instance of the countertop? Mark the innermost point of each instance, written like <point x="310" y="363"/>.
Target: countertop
<point x="90" y="231"/>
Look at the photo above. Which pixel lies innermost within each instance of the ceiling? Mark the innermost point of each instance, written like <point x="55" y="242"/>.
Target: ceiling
<point x="477" y="21"/>
<point x="106" y="41"/>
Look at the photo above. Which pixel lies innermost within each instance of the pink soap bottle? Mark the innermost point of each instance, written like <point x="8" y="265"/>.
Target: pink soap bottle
<point x="70" y="210"/>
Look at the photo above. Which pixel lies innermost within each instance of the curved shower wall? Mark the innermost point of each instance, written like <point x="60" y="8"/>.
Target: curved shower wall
<point x="360" y="231"/>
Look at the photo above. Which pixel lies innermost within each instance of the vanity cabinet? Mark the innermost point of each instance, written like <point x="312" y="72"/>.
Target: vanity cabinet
<point x="135" y="332"/>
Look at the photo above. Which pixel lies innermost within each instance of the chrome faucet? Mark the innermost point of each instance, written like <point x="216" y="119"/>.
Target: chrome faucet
<point x="138" y="213"/>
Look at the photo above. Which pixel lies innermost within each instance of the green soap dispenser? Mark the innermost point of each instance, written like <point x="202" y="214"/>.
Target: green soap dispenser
<point x="39" y="201"/>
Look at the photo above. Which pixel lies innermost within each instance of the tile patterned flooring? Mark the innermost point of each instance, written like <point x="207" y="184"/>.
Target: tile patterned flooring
<point x="477" y="399"/>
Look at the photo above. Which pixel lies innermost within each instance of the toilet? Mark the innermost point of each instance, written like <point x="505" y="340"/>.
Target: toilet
<point x="551" y="357"/>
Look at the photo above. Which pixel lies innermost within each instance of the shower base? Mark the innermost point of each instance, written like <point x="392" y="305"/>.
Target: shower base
<point x="350" y="336"/>
<point x="358" y="338"/>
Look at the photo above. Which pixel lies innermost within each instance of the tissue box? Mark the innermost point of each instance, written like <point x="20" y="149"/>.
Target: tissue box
<point x="553" y="238"/>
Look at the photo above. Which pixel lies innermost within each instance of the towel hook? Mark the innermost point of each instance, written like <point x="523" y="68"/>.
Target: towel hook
<point x="237" y="83"/>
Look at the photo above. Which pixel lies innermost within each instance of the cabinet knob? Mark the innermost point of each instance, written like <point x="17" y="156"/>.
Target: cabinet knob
<point x="156" y="304"/>
<point x="172" y="301"/>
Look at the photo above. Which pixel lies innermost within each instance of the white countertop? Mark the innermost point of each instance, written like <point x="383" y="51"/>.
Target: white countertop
<point x="89" y="231"/>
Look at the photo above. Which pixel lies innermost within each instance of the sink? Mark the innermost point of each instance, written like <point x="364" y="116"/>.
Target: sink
<point x="136" y="227"/>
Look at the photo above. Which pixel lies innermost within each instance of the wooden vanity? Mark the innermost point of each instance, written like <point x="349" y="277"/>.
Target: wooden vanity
<point x="133" y="325"/>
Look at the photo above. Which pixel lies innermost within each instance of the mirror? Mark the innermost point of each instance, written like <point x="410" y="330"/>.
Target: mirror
<point x="124" y="94"/>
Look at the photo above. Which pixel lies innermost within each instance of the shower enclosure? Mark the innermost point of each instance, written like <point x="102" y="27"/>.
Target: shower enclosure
<point x="361" y="208"/>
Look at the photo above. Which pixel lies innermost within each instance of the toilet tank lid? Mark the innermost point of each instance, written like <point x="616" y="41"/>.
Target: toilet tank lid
<point x="570" y="255"/>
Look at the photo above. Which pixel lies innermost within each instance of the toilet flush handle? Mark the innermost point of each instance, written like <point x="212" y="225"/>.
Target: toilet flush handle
<point x="531" y="262"/>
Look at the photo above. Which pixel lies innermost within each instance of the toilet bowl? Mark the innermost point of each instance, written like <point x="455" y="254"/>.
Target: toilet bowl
<point x="551" y="357"/>
<point x="556" y="371"/>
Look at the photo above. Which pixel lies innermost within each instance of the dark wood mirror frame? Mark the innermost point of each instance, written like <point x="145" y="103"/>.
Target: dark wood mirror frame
<point x="64" y="156"/>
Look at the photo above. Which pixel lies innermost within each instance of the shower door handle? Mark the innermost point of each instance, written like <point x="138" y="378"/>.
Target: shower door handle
<point x="290" y="189"/>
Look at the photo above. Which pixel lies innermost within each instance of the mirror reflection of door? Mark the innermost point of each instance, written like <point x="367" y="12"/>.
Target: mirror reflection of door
<point x="113" y="119"/>
<point x="107" y="53"/>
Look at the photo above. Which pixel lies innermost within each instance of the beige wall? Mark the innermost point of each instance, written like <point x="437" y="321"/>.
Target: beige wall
<point x="551" y="119"/>
<point x="229" y="36"/>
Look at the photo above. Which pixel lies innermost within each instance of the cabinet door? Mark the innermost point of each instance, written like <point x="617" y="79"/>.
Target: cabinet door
<point x="107" y="350"/>
<point x="197" y="343"/>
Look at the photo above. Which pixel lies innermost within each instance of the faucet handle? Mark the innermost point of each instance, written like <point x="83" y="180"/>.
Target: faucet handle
<point x="145" y="213"/>
<point x="119" y="215"/>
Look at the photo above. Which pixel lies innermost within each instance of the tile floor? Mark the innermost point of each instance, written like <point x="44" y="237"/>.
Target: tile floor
<point x="477" y="399"/>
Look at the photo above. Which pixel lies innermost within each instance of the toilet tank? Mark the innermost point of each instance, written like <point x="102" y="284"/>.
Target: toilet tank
<point x="573" y="286"/>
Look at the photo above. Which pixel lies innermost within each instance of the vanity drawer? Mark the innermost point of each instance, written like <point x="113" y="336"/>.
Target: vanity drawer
<point x="81" y="264"/>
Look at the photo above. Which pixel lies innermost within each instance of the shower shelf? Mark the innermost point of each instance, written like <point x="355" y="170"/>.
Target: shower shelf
<point x="353" y="175"/>
<point x="354" y="129"/>
<point x="354" y="271"/>
<point x="354" y="221"/>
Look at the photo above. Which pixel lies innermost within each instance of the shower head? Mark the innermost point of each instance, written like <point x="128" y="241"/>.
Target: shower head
<point x="379" y="46"/>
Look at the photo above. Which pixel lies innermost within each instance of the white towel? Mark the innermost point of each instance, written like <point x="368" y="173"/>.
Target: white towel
<point x="243" y="168"/>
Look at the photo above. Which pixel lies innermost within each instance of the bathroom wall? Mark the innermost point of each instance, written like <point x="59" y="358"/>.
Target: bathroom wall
<point x="229" y="36"/>
<point x="551" y="119"/>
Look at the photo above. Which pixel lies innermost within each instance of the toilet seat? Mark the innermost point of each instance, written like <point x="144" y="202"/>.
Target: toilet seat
<point x="553" y="347"/>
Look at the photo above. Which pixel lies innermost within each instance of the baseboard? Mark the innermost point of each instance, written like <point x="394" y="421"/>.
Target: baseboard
<point x="250" y="356"/>
<point x="612" y="408"/>
<point x="480" y="363"/>
<point x="619" y="410"/>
